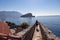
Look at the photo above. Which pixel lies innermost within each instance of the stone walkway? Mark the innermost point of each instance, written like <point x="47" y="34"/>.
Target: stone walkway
<point x="37" y="34"/>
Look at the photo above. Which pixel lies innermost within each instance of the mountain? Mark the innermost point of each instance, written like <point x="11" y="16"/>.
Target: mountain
<point x="9" y="14"/>
<point x="28" y="15"/>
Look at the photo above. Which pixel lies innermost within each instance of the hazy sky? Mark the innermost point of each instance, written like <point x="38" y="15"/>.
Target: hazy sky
<point x="37" y="7"/>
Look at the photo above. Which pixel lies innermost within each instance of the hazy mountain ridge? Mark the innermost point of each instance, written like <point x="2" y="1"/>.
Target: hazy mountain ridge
<point x="9" y="14"/>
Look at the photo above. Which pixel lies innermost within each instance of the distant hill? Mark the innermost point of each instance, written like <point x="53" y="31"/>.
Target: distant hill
<point x="9" y="14"/>
<point x="28" y="15"/>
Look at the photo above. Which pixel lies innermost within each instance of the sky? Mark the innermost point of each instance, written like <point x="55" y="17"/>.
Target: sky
<point x="36" y="7"/>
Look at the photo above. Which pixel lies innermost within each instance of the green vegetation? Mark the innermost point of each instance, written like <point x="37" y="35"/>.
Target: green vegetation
<point x="10" y="23"/>
<point x="24" y="25"/>
<point x="18" y="28"/>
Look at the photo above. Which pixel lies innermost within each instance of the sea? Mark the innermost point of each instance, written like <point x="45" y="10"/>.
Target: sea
<point x="51" y="22"/>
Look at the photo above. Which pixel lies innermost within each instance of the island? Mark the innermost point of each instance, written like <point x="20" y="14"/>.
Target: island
<point x="28" y="15"/>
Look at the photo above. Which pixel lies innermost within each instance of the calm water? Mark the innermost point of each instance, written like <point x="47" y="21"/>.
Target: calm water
<point x="53" y="23"/>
